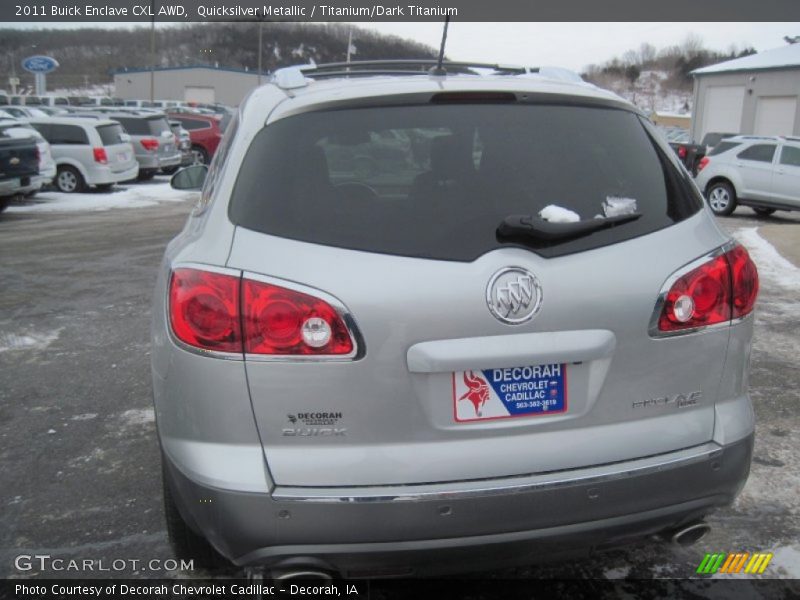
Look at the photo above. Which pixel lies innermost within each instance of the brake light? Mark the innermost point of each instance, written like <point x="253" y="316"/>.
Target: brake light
<point x="717" y="291"/>
<point x="204" y="310"/>
<point x="682" y="151"/>
<point x="282" y="321"/>
<point x="702" y="164"/>
<point x="100" y="155"/>
<point x="150" y="144"/>
<point x="224" y="313"/>
<point x="744" y="276"/>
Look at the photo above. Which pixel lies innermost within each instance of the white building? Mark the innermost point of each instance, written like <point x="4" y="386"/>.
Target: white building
<point x="755" y="94"/>
<point x="195" y="83"/>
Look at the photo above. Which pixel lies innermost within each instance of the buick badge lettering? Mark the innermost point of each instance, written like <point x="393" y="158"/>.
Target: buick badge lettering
<point x="514" y="295"/>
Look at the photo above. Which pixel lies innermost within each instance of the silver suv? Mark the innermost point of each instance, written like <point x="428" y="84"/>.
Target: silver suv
<point x="755" y="171"/>
<point x="421" y="323"/>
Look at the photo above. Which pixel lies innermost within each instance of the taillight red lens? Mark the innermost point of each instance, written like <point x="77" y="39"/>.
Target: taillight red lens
<point x="698" y="298"/>
<point x="682" y="151"/>
<point x="702" y="164"/>
<point x="717" y="291"/>
<point x="100" y="155"/>
<point x="150" y="144"/>
<point x="745" y="281"/>
<point x="204" y="309"/>
<point x="282" y="321"/>
<point x="225" y="313"/>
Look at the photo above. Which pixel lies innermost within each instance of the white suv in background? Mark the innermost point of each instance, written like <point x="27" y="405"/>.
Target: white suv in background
<point x="760" y="172"/>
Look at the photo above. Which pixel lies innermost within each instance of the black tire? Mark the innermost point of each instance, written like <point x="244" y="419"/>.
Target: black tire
<point x="200" y="155"/>
<point x="170" y="170"/>
<point x="763" y="211"/>
<point x="721" y="198"/>
<point x="69" y="180"/>
<point x="185" y="543"/>
<point x="105" y="187"/>
<point x="4" y="202"/>
<point x="145" y="175"/>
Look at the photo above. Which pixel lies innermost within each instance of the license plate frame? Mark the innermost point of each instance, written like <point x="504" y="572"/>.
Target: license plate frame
<point x="509" y="393"/>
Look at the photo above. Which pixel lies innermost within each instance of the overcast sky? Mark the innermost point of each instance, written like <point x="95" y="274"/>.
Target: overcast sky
<point x="570" y="45"/>
<point x="576" y="45"/>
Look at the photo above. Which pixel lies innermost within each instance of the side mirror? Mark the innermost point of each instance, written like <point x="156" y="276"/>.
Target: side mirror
<point x="190" y="178"/>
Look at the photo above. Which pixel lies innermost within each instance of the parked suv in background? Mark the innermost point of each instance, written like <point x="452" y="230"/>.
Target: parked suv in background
<point x="204" y="131"/>
<point x="457" y="358"/>
<point x="755" y="171"/>
<point x="88" y="152"/>
<point x="153" y="141"/>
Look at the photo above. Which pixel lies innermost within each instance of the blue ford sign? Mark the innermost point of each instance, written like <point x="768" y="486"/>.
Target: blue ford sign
<point x="39" y="64"/>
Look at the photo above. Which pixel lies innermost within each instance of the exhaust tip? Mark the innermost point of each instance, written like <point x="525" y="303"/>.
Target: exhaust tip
<point x="311" y="575"/>
<point x="690" y="534"/>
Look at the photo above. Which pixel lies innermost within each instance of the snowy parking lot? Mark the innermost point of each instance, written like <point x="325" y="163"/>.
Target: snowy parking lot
<point x="77" y="439"/>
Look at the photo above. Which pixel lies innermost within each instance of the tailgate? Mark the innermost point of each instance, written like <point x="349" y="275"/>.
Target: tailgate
<point x="410" y="410"/>
<point x="18" y="159"/>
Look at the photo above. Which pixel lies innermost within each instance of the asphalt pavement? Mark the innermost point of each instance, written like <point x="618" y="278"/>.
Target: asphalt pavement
<point x="80" y="475"/>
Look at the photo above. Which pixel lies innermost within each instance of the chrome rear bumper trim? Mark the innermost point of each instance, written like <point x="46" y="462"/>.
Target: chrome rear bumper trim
<point x="460" y="490"/>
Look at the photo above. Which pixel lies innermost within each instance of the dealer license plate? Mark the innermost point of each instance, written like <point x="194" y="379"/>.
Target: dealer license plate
<point x="536" y="390"/>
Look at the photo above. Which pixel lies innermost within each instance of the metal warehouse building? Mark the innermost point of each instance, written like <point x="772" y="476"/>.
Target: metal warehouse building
<point x="196" y="83"/>
<point x="754" y="94"/>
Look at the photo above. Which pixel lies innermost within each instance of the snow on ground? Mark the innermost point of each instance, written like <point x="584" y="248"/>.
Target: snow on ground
<point x="769" y="261"/>
<point x="133" y="195"/>
<point x="135" y="417"/>
<point x="29" y="341"/>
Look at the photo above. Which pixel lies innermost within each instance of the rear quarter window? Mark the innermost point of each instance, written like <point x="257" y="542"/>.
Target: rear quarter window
<point x="435" y="181"/>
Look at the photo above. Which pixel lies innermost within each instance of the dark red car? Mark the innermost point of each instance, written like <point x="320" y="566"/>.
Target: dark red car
<point x="204" y="132"/>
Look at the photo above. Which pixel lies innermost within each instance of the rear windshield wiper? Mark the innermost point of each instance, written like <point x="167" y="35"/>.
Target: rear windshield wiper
<point x="533" y="228"/>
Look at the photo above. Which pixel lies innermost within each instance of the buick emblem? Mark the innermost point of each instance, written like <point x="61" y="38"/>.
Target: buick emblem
<point x="514" y="295"/>
<point x="14" y="161"/>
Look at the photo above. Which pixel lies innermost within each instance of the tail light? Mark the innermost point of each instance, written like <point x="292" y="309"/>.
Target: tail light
<point x="717" y="291"/>
<point x="682" y="151"/>
<point x="100" y="155"/>
<point x="150" y="144"/>
<point x="224" y="313"/>
<point x="702" y="164"/>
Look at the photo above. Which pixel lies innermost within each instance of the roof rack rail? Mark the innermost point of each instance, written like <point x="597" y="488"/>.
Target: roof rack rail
<point x="413" y="66"/>
<point x="295" y="76"/>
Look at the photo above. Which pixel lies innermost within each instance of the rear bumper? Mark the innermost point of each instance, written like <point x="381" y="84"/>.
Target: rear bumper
<point x="456" y="527"/>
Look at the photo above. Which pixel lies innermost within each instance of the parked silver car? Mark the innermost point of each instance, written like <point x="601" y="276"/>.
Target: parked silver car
<point x="87" y="152"/>
<point x="756" y="171"/>
<point x="154" y="143"/>
<point x="458" y="358"/>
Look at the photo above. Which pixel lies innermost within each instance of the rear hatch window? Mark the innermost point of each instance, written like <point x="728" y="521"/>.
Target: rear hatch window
<point x="110" y="134"/>
<point x="436" y="181"/>
<point x="139" y="126"/>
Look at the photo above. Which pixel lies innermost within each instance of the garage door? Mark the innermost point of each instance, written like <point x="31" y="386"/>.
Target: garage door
<point x="775" y="115"/>
<point x="199" y="94"/>
<point x="723" y="109"/>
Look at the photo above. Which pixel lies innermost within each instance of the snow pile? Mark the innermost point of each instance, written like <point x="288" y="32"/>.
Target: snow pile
<point x="558" y="214"/>
<point x="29" y="341"/>
<point x="769" y="261"/>
<point x="139" y="195"/>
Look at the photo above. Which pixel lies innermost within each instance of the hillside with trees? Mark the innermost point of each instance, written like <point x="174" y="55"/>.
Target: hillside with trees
<point x="88" y="56"/>
<point x="659" y="80"/>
